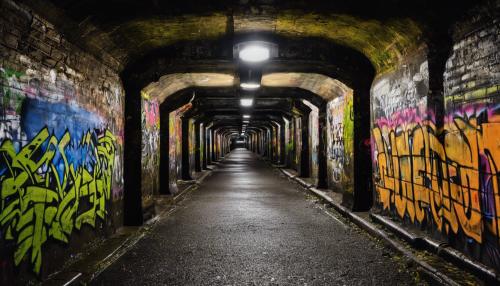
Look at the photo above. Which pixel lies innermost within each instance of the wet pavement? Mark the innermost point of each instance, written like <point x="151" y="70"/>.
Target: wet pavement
<point x="247" y="225"/>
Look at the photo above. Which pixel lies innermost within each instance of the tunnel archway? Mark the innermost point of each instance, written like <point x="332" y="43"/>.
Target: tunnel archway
<point x="323" y="89"/>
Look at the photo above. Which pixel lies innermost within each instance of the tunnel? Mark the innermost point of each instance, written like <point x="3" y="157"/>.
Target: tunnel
<point x="249" y="142"/>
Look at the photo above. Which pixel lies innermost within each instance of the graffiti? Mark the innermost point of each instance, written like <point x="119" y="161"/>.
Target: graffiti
<point x="53" y="185"/>
<point x="313" y="138"/>
<point x="448" y="179"/>
<point x="341" y="142"/>
<point x="405" y="88"/>
<point x="11" y="102"/>
<point x="58" y="167"/>
<point x="150" y="116"/>
<point x="192" y="147"/>
<point x="202" y="142"/>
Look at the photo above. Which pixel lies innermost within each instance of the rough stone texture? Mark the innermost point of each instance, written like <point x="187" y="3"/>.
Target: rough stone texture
<point x="248" y="225"/>
<point x="59" y="105"/>
<point x="444" y="179"/>
<point x="473" y="70"/>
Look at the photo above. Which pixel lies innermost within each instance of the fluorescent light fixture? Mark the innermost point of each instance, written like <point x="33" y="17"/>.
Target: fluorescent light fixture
<point x="249" y="85"/>
<point x="246" y="116"/>
<point x="246" y="121"/>
<point x="246" y="101"/>
<point x="254" y="54"/>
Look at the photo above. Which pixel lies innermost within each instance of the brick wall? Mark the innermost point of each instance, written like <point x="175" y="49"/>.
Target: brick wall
<point x="61" y="138"/>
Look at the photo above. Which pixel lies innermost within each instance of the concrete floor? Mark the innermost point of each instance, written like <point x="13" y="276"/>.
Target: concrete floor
<point x="247" y="225"/>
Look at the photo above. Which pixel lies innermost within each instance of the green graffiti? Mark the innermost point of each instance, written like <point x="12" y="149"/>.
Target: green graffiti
<point x="44" y="196"/>
<point x="348" y="141"/>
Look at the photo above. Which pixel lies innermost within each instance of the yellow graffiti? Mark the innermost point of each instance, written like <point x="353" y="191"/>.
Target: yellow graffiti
<point x="448" y="184"/>
<point x="39" y="200"/>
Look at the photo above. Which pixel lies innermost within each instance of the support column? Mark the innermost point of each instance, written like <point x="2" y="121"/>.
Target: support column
<point x="212" y="145"/>
<point x="363" y="195"/>
<point x="322" y="147"/>
<point x="208" y="146"/>
<point x="164" y="150"/>
<point x="282" y="143"/>
<point x="185" y="149"/>
<point x="197" y="146"/>
<point x="304" y="158"/>
<point x="132" y="201"/>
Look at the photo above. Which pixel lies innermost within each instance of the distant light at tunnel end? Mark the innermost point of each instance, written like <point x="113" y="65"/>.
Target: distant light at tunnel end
<point x="249" y="85"/>
<point x="254" y="54"/>
<point x="246" y="102"/>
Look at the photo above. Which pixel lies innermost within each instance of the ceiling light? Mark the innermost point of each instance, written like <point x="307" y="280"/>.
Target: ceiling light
<point x="246" y="101"/>
<point x="249" y="85"/>
<point x="254" y="54"/>
<point x="246" y="121"/>
<point x="246" y="116"/>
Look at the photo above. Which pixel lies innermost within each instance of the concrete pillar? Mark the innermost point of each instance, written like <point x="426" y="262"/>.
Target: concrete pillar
<point x="282" y="143"/>
<point x="203" y="140"/>
<point x="132" y="201"/>
<point x="304" y="160"/>
<point x="185" y="148"/>
<point x="197" y="147"/>
<point x="164" y="150"/>
<point x="208" y="146"/>
<point x="212" y="144"/>
<point x="322" y="148"/>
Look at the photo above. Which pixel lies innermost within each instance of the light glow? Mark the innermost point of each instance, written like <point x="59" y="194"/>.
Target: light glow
<point x="246" y="101"/>
<point x="254" y="54"/>
<point x="246" y="116"/>
<point x="249" y="85"/>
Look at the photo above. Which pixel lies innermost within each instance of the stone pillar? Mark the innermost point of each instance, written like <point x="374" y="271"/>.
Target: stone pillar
<point x="322" y="148"/>
<point x="197" y="146"/>
<point x="164" y="150"/>
<point x="185" y="148"/>
<point x="132" y="156"/>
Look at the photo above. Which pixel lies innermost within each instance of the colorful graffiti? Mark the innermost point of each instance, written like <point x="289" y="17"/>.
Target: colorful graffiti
<point x="448" y="179"/>
<point x="150" y="149"/>
<point x="60" y="163"/>
<point x="53" y="185"/>
<point x="340" y="145"/>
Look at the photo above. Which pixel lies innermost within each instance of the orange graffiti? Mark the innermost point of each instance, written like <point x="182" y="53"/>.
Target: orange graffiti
<point x="449" y="178"/>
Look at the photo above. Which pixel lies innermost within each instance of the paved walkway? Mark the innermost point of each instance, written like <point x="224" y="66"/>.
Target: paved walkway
<point x="247" y="225"/>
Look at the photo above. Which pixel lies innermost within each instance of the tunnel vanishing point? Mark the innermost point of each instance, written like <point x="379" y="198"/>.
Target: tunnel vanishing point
<point x="112" y="110"/>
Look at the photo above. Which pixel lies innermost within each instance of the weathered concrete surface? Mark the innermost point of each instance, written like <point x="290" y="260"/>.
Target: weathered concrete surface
<point x="248" y="225"/>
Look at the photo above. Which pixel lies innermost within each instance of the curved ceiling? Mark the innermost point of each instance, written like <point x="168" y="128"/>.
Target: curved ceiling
<point x="127" y="30"/>
<point x="324" y="86"/>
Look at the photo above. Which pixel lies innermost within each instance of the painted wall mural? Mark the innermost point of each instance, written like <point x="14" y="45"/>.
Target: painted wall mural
<point x="175" y="145"/>
<point x="150" y="115"/>
<point x="57" y="165"/>
<point x="453" y="185"/>
<point x="443" y="179"/>
<point x="192" y="147"/>
<point x="174" y="132"/>
<point x="340" y="143"/>
<point x="53" y="185"/>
